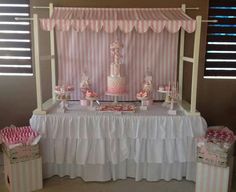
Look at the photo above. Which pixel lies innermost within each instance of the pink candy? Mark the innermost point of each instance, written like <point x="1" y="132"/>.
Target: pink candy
<point x="220" y="135"/>
<point x="15" y="135"/>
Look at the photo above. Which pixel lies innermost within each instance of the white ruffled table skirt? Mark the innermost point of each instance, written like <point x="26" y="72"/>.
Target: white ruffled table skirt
<point x="100" y="146"/>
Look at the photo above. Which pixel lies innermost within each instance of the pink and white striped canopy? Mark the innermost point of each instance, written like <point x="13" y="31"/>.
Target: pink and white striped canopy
<point x="125" y="19"/>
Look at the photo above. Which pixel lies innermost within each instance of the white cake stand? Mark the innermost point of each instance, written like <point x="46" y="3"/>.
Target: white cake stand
<point x="115" y="95"/>
<point x="167" y="96"/>
<point x="63" y="106"/>
<point x="143" y="107"/>
<point x="91" y="99"/>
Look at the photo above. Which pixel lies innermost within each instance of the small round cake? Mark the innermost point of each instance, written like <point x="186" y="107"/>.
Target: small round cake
<point x="116" y="85"/>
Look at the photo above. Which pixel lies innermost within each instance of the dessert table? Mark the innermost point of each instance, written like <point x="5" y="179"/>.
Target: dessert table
<point x="99" y="146"/>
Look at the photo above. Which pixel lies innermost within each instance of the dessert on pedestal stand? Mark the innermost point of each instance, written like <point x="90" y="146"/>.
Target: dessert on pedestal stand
<point x="148" y="85"/>
<point x="142" y="98"/>
<point x="166" y="90"/>
<point x="145" y="95"/>
<point x="91" y="97"/>
<point x="167" y="97"/>
<point x="91" y="100"/>
<point x="116" y="82"/>
<point x="63" y="106"/>
<point x="174" y="97"/>
<point x="63" y="94"/>
<point x="171" y="97"/>
<point x="172" y="111"/>
<point x="84" y="87"/>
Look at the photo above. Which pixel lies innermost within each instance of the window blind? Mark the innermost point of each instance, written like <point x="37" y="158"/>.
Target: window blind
<point x="221" y="39"/>
<point x="15" y="38"/>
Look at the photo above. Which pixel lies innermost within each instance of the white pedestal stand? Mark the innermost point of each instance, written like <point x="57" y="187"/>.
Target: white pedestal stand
<point x="115" y="96"/>
<point x="63" y="106"/>
<point x="91" y="100"/>
<point x="143" y="107"/>
<point x="167" y="97"/>
<point x="172" y="111"/>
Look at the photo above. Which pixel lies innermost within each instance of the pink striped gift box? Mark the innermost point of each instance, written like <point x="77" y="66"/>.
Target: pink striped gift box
<point x="24" y="176"/>
<point x="211" y="178"/>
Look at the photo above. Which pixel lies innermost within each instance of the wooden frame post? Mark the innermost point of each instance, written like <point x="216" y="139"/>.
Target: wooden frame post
<point x="190" y="109"/>
<point x="181" y="55"/>
<point x="52" y="50"/>
<point x="43" y="108"/>
<point x="196" y="51"/>
<point x="37" y="66"/>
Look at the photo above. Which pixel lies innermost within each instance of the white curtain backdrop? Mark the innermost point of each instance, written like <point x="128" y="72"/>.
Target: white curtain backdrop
<point x="89" y="51"/>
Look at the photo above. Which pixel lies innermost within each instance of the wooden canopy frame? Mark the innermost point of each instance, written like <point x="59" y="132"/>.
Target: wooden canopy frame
<point x="190" y="109"/>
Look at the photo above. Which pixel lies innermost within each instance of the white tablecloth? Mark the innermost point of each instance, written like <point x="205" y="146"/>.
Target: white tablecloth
<point x="102" y="146"/>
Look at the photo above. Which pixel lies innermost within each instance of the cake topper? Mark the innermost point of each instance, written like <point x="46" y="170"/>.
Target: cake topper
<point x="148" y="86"/>
<point x="84" y="84"/>
<point x="115" y="51"/>
<point x="116" y="85"/>
<point x="63" y="93"/>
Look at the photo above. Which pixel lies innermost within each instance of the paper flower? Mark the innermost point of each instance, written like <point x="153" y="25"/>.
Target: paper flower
<point x="142" y="94"/>
<point x="63" y="92"/>
<point x="115" y="51"/>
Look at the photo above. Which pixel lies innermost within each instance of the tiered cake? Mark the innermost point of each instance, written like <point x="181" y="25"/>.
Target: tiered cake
<point x="116" y="82"/>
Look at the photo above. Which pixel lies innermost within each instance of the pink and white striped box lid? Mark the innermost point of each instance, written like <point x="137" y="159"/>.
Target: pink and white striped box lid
<point x="15" y="135"/>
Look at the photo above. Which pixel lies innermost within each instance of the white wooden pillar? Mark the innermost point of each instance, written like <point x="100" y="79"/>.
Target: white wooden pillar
<point x="181" y="61"/>
<point x="37" y="63"/>
<point x="197" y="39"/>
<point x="52" y="50"/>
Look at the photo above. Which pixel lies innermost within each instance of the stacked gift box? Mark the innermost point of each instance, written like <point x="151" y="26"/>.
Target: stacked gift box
<point x="21" y="158"/>
<point x="216" y="148"/>
<point x="20" y="143"/>
<point x="215" y="160"/>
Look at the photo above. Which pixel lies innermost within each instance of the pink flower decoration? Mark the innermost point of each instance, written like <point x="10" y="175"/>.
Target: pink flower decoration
<point x="142" y="94"/>
<point x="90" y="93"/>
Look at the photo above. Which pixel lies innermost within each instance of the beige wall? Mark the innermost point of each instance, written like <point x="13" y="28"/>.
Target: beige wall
<point x="215" y="97"/>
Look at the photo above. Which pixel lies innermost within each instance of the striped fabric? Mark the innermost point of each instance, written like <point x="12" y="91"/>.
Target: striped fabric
<point x="212" y="179"/>
<point x="24" y="176"/>
<point x="89" y="51"/>
<point x="124" y="19"/>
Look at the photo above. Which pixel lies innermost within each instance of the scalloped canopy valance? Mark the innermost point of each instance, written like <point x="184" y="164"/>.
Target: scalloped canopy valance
<point x="124" y="19"/>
